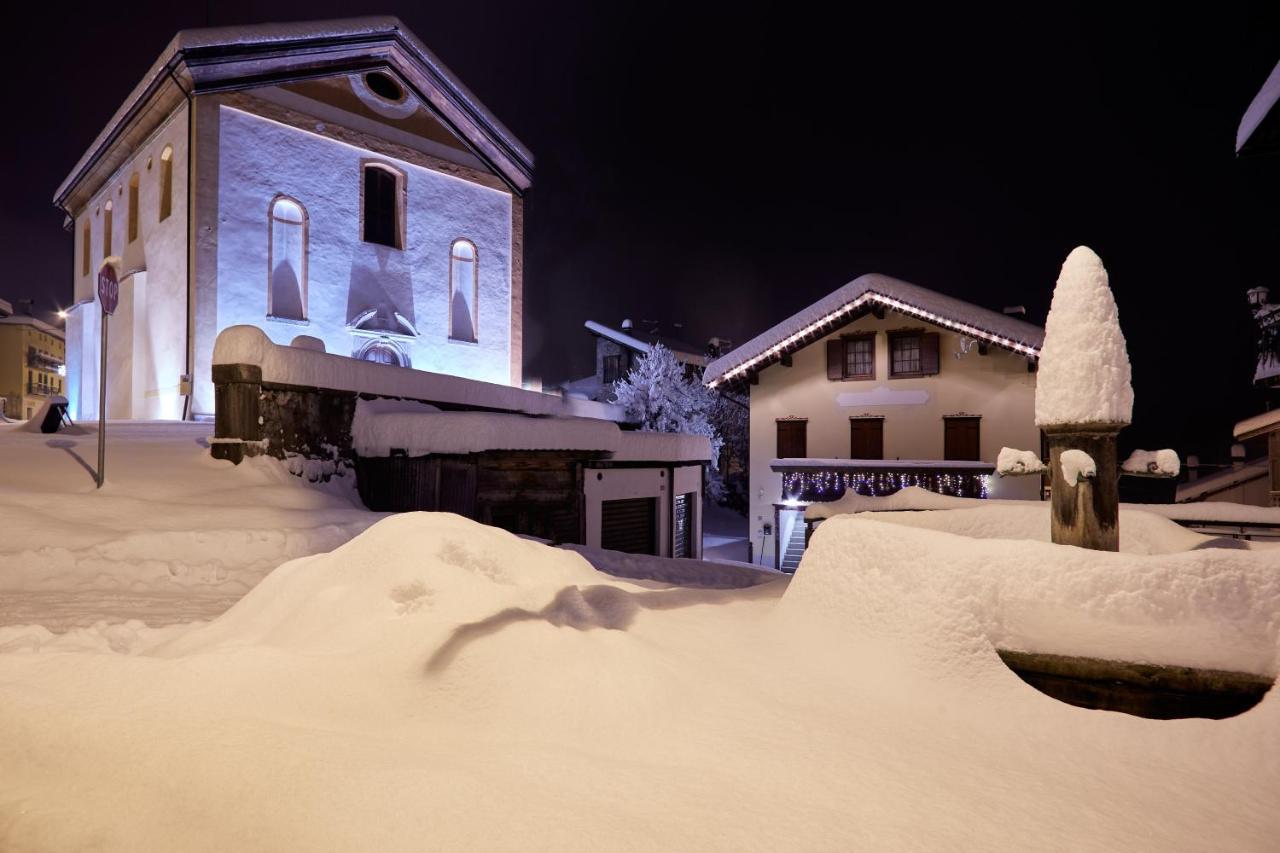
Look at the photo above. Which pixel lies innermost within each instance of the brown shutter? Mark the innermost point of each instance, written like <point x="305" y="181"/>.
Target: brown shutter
<point x="929" y="353"/>
<point x="835" y="360"/>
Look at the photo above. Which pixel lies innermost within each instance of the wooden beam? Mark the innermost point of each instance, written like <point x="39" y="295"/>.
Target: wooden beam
<point x="983" y="348"/>
<point x="1033" y="365"/>
<point x="753" y="377"/>
<point x="877" y="310"/>
<point x="785" y="361"/>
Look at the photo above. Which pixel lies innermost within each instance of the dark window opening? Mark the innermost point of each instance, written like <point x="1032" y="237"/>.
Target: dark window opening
<point x="961" y="439"/>
<point x="792" y="441"/>
<point x="381" y="207"/>
<point x="866" y="438"/>
<point x="612" y="369"/>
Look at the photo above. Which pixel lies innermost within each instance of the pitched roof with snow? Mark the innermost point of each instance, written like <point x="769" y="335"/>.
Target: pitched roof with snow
<point x="1257" y="425"/>
<point x="683" y="352"/>
<point x="219" y="59"/>
<point x="860" y="296"/>
<point x="1259" y="131"/>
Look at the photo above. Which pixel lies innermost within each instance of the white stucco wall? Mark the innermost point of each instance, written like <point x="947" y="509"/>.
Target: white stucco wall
<point x="259" y="158"/>
<point x="996" y="386"/>
<point x="146" y="338"/>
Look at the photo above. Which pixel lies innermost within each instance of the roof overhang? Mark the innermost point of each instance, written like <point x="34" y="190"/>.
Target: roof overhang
<point x="1259" y="131"/>
<point x="224" y="59"/>
<point x="865" y="295"/>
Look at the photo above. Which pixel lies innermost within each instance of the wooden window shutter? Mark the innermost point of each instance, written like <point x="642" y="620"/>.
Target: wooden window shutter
<point x="792" y="442"/>
<point x="929" y="353"/>
<point x="835" y="360"/>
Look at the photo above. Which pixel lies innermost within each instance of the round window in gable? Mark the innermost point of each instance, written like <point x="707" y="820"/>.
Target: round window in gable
<point x="384" y="87"/>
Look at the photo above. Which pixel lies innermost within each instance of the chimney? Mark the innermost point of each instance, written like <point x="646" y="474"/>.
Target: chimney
<point x="1258" y="296"/>
<point x="627" y="325"/>
<point x="1237" y="456"/>
<point x="1193" y="467"/>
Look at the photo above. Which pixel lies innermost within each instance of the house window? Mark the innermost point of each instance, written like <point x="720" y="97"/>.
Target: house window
<point x="791" y="438"/>
<point x="86" y="248"/>
<point x="913" y="353"/>
<point x="612" y="368"/>
<point x="287" y="260"/>
<point x="133" y="208"/>
<point x="464" y="285"/>
<point x="381" y="205"/>
<point x="866" y="438"/>
<point x="166" y="182"/>
<point x="961" y="438"/>
<point x="106" y="230"/>
<point x="852" y="357"/>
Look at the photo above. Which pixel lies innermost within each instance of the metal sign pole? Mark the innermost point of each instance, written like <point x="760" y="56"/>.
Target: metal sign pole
<point x="102" y="402"/>
<point x="108" y="296"/>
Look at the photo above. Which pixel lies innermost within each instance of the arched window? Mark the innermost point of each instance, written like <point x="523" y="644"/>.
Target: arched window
<point x="381" y="205"/>
<point x="383" y="351"/>
<point x="287" y="260"/>
<point x="166" y="182"/>
<point x="106" y="230"/>
<point x="133" y="208"/>
<point x="464" y="278"/>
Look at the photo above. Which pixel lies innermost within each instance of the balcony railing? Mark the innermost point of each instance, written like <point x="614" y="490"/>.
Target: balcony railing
<point x="39" y="390"/>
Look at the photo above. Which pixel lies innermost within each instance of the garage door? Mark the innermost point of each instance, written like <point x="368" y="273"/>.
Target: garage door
<point x="628" y="525"/>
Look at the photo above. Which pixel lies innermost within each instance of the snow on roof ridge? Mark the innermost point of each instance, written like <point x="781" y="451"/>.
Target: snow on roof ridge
<point x="25" y="320"/>
<point x="1259" y="107"/>
<point x="1255" y="423"/>
<point x="1002" y="329"/>
<point x="634" y="342"/>
<point x="194" y="39"/>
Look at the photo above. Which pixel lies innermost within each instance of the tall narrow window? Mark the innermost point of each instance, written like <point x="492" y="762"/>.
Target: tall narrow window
<point x="464" y="281"/>
<point x="381" y="205"/>
<point x="166" y="182"/>
<point x="86" y="248"/>
<point x="133" y="208"/>
<point x="287" y="260"/>
<point x="106" y="230"/>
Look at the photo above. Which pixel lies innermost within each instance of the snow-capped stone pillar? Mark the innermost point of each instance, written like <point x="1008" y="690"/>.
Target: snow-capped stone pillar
<point x="1084" y="397"/>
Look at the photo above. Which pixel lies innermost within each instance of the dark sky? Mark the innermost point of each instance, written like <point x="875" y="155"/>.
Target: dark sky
<point x="724" y="167"/>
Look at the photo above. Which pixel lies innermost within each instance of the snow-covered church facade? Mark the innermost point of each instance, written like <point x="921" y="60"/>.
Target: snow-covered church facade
<point x="879" y="385"/>
<point x="330" y="179"/>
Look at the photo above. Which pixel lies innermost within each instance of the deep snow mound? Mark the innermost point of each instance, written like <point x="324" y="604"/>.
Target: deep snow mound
<point x="953" y="598"/>
<point x="407" y="566"/>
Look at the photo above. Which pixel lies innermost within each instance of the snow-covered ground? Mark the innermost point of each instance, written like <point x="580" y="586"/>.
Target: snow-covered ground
<point x="174" y="535"/>
<point x="436" y="684"/>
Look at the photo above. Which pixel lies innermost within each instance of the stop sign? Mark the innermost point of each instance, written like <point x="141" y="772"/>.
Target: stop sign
<point x="108" y="289"/>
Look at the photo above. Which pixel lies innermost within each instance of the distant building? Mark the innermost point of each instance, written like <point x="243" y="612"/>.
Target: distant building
<point x="616" y="351"/>
<point x="32" y="355"/>
<point x="881" y="384"/>
<point x="330" y="179"/>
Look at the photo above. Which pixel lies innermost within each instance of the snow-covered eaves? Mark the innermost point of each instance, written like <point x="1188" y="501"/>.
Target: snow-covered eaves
<point x="684" y="356"/>
<point x="1257" y="425"/>
<point x="1205" y="487"/>
<point x="219" y="59"/>
<point x="806" y="464"/>
<point x="860" y="296"/>
<point x="22" y="320"/>
<point x="378" y="429"/>
<point x="1259" y="131"/>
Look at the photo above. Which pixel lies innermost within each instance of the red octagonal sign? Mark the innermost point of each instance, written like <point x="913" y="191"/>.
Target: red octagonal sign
<point x="108" y="289"/>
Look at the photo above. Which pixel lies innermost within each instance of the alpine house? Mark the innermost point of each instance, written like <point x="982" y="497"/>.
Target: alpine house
<point x="881" y="384"/>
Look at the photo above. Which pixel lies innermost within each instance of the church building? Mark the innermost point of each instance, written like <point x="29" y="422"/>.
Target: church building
<point x="330" y="179"/>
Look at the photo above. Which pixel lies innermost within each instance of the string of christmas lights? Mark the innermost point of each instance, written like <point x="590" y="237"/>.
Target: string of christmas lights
<point x="832" y="485"/>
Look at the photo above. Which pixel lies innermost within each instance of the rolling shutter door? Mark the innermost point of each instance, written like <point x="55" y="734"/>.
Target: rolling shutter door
<point x="629" y="525"/>
<point x="682" y="526"/>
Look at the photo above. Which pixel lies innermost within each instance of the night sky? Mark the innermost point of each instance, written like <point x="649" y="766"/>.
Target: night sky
<point x="723" y="168"/>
